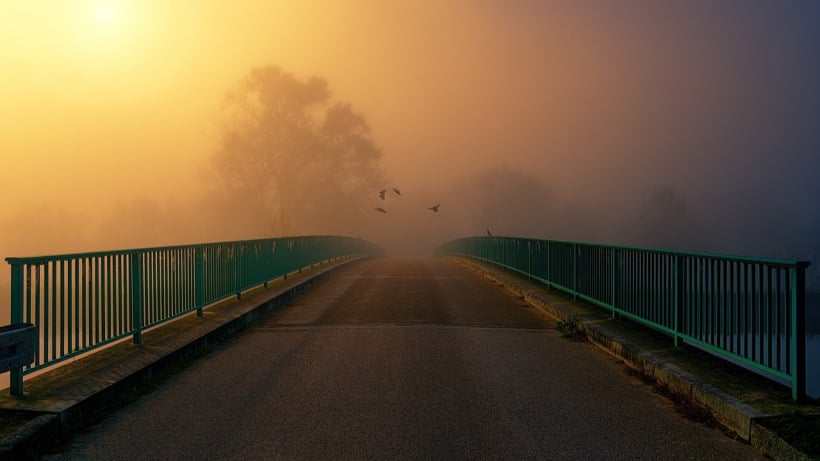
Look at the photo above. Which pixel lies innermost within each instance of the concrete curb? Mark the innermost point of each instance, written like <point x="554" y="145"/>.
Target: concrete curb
<point x="773" y="446"/>
<point x="733" y="414"/>
<point x="29" y="441"/>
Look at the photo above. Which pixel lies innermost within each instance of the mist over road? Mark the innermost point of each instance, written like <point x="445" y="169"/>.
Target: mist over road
<point x="403" y="359"/>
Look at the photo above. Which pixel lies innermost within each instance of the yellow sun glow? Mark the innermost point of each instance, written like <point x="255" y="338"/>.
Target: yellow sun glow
<point x="105" y="13"/>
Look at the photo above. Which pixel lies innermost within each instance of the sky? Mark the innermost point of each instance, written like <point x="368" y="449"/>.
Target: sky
<point x="110" y="112"/>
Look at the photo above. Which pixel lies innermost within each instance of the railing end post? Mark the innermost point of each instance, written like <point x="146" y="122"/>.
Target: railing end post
<point x="16" y="382"/>
<point x="799" y="377"/>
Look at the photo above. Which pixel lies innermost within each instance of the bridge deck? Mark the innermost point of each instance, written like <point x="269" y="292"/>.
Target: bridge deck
<point x="81" y="388"/>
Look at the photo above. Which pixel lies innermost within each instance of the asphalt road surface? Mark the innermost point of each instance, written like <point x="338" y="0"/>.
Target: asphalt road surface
<point x="403" y="359"/>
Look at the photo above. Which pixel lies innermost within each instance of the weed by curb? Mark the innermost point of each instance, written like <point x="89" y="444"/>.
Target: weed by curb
<point x="570" y="327"/>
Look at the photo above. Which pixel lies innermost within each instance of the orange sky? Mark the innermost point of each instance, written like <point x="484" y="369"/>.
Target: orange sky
<point x="108" y="101"/>
<point x="136" y="95"/>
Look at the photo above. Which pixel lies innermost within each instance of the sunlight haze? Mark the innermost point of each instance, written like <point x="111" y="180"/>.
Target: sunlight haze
<point x="113" y="110"/>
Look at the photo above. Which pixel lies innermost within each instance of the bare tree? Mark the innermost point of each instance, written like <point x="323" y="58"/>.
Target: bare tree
<point x="508" y="201"/>
<point x="292" y="158"/>
<point x="666" y="221"/>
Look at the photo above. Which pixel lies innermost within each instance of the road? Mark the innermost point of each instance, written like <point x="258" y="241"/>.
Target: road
<point x="403" y="359"/>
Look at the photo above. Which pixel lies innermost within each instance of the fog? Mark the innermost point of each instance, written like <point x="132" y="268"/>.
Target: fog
<point x="686" y="125"/>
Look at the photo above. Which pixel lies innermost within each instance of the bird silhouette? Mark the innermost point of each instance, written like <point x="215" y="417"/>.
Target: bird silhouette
<point x="398" y="192"/>
<point x="435" y="208"/>
<point x="380" y="209"/>
<point x="381" y="193"/>
<point x="489" y="233"/>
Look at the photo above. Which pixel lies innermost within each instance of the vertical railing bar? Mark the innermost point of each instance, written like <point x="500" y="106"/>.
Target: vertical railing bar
<point x="769" y="321"/>
<point x="657" y="276"/>
<point x="96" y="278"/>
<point x="644" y="276"/>
<point x="83" y="314"/>
<point x="153" y="310"/>
<point x="70" y="306"/>
<point x="741" y="306"/>
<point x="17" y="280"/>
<point x="614" y="280"/>
<point x="34" y="309"/>
<point x="164" y="277"/>
<point x="789" y="342"/>
<point x="199" y="279"/>
<point x="109" y="302"/>
<point x="574" y="271"/>
<point x="799" y="323"/>
<point x="27" y="316"/>
<point x="136" y="295"/>
<point x="677" y="294"/>
<point x="762" y="312"/>
<point x="751" y="288"/>
<point x="779" y="319"/>
<point x="54" y="324"/>
<point x="42" y="315"/>
<point x="65" y="285"/>
<point x="122" y="305"/>
<point x="150" y="287"/>
<point x="721" y="300"/>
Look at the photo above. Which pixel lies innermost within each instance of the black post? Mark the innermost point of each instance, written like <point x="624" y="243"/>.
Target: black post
<point x="800" y="372"/>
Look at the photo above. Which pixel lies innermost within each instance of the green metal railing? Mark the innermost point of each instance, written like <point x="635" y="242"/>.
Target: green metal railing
<point x="80" y="302"/>
<point x="749" y="310"/>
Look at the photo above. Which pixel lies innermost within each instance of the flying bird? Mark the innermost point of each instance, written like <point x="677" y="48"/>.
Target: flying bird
<point x="381" y="193"/>
<point x="489" y="233"/>
<point x="435" y="208"/>
<point x="398" y="192"/>
<point x="380" y="209"/>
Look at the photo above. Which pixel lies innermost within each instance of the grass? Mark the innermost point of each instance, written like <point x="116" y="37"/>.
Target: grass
<point x="570" y="328"/>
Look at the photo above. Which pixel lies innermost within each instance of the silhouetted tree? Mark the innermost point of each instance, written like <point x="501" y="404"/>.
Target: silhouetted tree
<point x="665" y="220"/>
<point x="508" y="201"/>
<point x="294" y="158"/>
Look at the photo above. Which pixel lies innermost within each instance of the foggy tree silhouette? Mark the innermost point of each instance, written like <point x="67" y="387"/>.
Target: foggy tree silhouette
<point x="298" y="161"/>
<point x="665" y="220"/>
<point x="509" y="199"/>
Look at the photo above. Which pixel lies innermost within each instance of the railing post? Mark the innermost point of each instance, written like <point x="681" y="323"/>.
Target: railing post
<point x="615" y="263"/>
<point x="238" y="268"/>
<point x="136" y="295"/>
<point x="574" y="271"/>
<point x="549" y="265"/>
<point x="529" y="259"/>
<point x="798" y="365"/>
<point x="199" y="279"/>
<point x="678" y="294"/>
<point x="16" y="376"/>
<point x="267" y="262"/>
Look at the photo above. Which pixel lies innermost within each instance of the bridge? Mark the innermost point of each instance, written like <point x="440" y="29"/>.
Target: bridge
<point x="411" y="357"/>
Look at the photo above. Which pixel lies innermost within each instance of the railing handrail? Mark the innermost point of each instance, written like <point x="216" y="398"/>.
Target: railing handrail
<point x="744" y="309"/>
<point x="127" y="251"/>
<point x="722" y="256"/>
